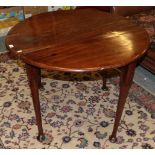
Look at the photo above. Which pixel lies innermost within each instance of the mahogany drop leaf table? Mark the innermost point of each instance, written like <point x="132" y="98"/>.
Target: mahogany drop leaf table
<point x="84" y="40"/>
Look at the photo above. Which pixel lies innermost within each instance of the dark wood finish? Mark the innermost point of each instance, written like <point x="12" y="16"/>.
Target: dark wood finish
<point x="104" y="79"/>
<point x="102" y="8"/>
<point x="149" y="60"/>
<point x="32" y="73"/>
<point x="78" y="41"/>
<point x="39" y="77"/>
<point x="126" y="78"/>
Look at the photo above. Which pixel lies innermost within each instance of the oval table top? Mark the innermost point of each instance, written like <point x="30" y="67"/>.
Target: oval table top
<point x="77" y="40"/>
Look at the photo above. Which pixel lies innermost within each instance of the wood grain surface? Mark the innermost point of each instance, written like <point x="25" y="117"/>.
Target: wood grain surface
<point x="77" y="40"/>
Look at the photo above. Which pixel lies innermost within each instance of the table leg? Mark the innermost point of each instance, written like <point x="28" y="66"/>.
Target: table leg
<point x="126" y="78"/>
<point x="104" y="79"/>
<point x="39" y="77"/>
<point x="34" y="81"/>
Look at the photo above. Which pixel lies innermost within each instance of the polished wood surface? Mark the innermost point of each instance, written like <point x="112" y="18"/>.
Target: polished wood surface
<point x="149" y="60"/>
<point x="77" y="40"/>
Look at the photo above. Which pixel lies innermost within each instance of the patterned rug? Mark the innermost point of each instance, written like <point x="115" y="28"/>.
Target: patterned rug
<point x="76" y="112"/>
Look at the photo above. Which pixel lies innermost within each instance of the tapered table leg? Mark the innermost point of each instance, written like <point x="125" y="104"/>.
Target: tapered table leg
<point x="34" y="81"/>
<point x="39" y="77"/>
<point x="126" y="78"/>
<point x="104" y="79"/>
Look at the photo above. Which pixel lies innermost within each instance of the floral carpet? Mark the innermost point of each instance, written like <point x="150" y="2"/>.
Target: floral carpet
<point x="76" y="112"/>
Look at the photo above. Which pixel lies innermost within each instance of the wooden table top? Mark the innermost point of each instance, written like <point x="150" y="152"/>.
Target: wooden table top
<point x="77" y="40"/>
